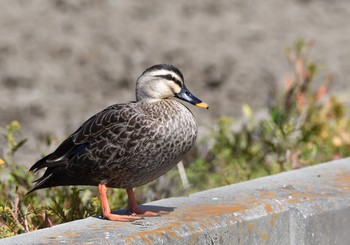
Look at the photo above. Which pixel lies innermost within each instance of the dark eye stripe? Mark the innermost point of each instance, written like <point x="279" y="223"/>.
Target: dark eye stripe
<point x="171" y="78"/>
<point x="178" y="82"/>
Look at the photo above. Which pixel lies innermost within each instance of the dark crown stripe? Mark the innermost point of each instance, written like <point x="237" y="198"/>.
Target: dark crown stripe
<point x="164" y="67"/>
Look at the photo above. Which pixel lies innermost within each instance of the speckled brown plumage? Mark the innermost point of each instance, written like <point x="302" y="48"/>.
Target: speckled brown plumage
<point x="130" y="144"/>
<point x="125" y="145"/>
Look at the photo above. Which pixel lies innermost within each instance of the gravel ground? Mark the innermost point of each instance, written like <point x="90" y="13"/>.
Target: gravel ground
<point x="62" y="61"/>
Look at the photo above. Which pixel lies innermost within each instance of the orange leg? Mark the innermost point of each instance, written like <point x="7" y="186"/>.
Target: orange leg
<point x="135" y="210"/>
<point x="106" y="211"/>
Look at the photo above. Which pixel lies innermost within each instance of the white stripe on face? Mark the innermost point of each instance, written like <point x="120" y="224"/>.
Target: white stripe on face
<point x="164" y="73"/>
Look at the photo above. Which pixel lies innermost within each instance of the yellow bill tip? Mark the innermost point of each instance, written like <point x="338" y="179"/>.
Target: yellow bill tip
<point x="203" y="105"/>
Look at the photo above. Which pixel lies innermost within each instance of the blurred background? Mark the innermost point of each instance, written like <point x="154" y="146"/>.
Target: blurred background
<point x="62" y="61"/>
<point x="275" y="74"/>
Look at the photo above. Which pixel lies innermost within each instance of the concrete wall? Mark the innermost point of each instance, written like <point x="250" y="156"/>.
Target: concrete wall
<point x="306" y="206"/>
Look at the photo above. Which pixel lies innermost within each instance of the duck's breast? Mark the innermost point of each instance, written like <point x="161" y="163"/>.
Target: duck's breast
<point x="129" y="145"/>
<point x="163" y="134"/>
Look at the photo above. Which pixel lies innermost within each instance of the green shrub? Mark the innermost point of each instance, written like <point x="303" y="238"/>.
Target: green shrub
<point x="303" y="126"/>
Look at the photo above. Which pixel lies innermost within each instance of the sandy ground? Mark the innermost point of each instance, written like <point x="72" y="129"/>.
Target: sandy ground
<point x="62" y="61"/>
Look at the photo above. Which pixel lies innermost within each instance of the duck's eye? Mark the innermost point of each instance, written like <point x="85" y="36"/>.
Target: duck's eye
<point x="169" y="77"/>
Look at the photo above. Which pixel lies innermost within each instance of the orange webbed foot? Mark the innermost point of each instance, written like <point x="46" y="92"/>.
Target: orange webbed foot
<point x="136" y="211"/>
<point x="147" y="213"/>
<point x="106" y="211"/>
<point x="121" y="218"/>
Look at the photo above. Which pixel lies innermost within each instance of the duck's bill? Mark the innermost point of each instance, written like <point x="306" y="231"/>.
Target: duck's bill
<point x="186" y="95"/>
<point x="203" y="105"/>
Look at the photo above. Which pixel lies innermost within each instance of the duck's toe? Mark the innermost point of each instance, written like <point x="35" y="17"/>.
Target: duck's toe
<point x="147" y="213"/>
<point x="122" y="218"/>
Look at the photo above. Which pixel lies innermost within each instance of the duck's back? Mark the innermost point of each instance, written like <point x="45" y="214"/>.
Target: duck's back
<point x="124" y="146"/>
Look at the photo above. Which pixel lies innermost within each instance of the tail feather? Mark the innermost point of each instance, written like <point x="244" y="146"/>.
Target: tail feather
<point x="56" y="163"/>
<point x="38" y="164"/>
<point x="59" y="157"/>
<point x="58" y="177"/>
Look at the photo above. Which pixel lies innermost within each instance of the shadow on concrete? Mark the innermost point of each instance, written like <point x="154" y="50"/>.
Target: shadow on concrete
<point x="143" y="207"/>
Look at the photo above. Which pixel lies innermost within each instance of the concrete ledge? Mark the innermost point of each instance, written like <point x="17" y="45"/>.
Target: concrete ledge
<point x="306" y="206"/>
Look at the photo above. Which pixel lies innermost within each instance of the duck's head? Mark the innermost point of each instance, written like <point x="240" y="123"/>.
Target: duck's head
<point x="162" y="82"/>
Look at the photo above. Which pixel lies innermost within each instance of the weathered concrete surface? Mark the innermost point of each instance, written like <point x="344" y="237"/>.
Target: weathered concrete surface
<point x="306" y="206"/>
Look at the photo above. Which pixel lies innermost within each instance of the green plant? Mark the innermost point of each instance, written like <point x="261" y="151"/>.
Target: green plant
<point x="13" y="211"/>
<point x="303" y="126"/>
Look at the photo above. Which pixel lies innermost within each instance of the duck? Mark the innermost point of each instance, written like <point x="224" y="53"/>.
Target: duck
<point x="127" y="145"/>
